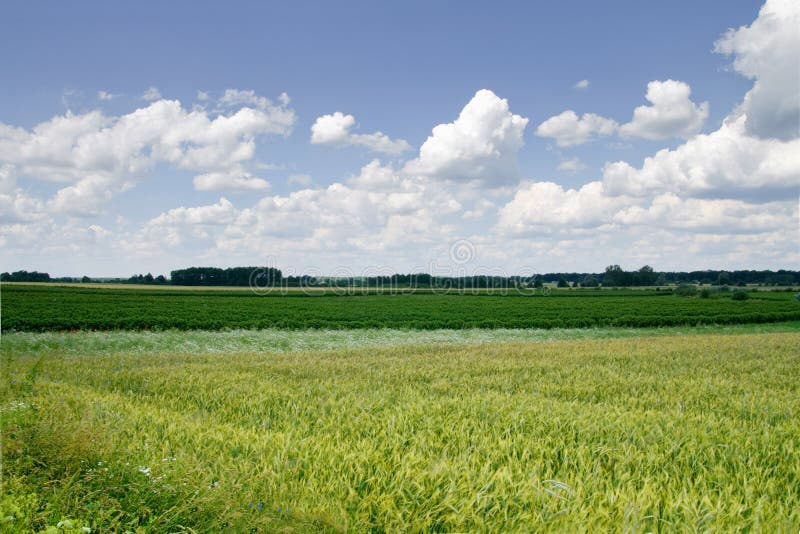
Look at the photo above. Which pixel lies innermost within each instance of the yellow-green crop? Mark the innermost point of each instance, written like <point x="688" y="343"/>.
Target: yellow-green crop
<point x="698" y="433"/>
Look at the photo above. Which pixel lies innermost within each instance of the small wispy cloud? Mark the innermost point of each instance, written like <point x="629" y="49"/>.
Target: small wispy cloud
<point x="571" y="165"/>
<point x="105" y="95"/>
<point x="151" y="94"/>
<point x="300" y="179"/>
<point x="583" y="84"/>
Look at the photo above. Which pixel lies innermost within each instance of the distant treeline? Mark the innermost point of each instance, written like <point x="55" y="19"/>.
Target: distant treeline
<point x="232" y="276"/>
<point x="613" y="276"/>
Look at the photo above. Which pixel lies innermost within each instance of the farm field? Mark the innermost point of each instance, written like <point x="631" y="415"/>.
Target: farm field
<point x="666" y="433"/>
<point x="97" y="343"/>
<point x="43" y="308"/>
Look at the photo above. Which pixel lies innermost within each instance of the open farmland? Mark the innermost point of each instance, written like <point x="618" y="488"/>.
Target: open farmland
<point x="42" y="308"/>
<point x="695" y="433"/>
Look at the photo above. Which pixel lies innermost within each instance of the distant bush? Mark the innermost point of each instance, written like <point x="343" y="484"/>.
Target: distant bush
<point x="685" y="290"/>
<point x="740" y="295"/>
<point x="724" y="289"/>
<point x="705" y="293"/>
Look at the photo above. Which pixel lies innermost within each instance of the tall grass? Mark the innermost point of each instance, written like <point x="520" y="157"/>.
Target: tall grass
<point x="273" y="340"/>
<point x="695" y="433"/>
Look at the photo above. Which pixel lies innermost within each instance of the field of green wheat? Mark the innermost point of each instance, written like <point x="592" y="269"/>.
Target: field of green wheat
<point x="657" y="433"/>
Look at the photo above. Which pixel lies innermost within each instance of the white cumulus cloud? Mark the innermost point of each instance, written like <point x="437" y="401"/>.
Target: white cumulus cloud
<point x="335" y="129"/>
<point x="726" y="162"/>
<point x="480" y="145"/>
<point x="755" y="154"/>
<point x="568" y="129"/>
<point x="233" y="180"/>
<point x="100" y="155"/>
<point x="710" y="215"/>
<point x="543" y="207"/>
<point x="671" y="113"/>
<point x="767" y="51"/>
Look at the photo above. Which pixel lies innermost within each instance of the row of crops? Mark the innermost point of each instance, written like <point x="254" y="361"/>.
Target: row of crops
<point x="42" y="308"/>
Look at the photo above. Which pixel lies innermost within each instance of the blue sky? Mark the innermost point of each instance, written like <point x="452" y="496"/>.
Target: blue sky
<point x="400" y="69"/>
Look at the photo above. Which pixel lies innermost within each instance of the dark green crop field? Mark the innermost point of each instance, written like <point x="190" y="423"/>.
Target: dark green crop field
<point x="42" y="308"/>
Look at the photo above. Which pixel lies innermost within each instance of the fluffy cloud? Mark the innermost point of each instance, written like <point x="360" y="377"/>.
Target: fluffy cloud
<point x="767" y="52"/>
<point x="326" y="218"/>
<point x="179" y="225"/>
<point x="544" y="207"/>
<point x="100" y="155"/>
<point x="85" y="198"/>
<point x="754" y="154"/>
<point x="568" y="129"/>
<point x="8" y="179"/>
<point x="16" y="206"/>
<point x="215" y="214"/>
<point x="710" y="216"/>
<point x="672" y="113"/>
<point x="105" y="95"/>
<point x="375" y="176"/>
<point x="480" y="145"/>
<point x="376" y="210"/>
<point x="583" y="84"/>
<point x="335" y="129"/>
<point x="726" y="162"/>
<point x="233" y="180"/>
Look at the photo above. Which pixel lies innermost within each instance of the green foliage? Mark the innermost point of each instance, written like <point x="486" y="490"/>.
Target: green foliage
<point x="616" y="276"/>
<point x="740" y="295"/>
<point x="24" y="276"/>
<point x="42" y="308"/>
<point x="670" y="433"/>
<point x="686" y="290"/>
<point x="705" y="293"/>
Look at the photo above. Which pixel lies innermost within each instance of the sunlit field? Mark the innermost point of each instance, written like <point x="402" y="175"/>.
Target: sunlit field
<point x="658" y="433"/>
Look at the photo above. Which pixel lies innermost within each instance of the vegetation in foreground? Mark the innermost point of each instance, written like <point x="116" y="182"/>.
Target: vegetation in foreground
<point x="99" y="343"/>
<point x="658" y="434"/>
<point x="43" y="308"/>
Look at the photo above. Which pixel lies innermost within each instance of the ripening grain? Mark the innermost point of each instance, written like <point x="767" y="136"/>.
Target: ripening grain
<point x="694" y="433"/>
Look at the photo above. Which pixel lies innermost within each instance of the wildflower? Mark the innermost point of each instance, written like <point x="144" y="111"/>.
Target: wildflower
<point x="144" y="470"/>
